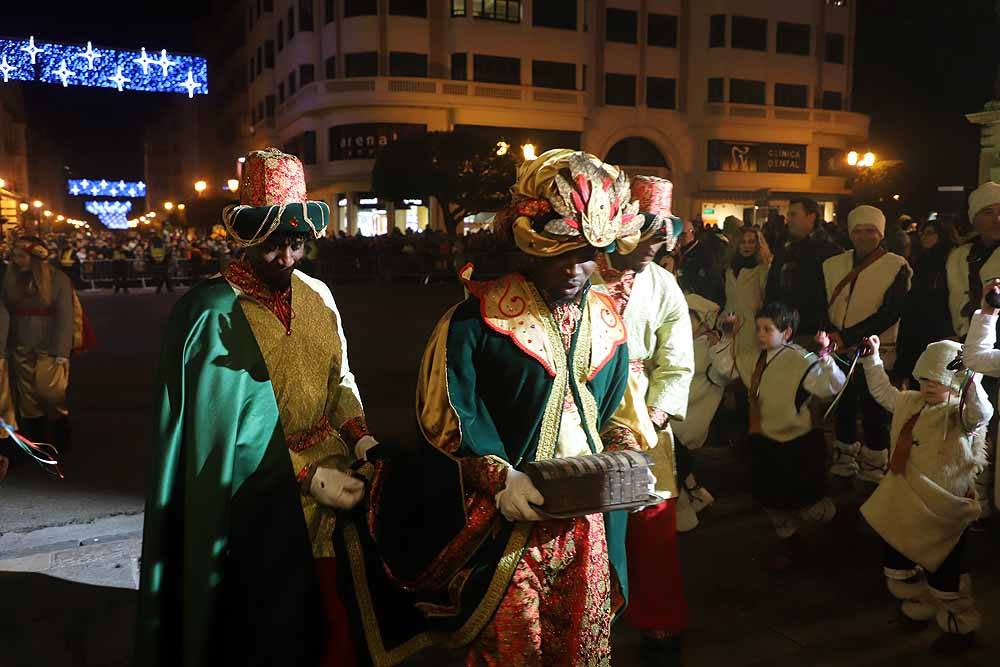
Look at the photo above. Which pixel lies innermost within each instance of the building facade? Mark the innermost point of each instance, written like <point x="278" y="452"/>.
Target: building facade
<point x="743" y="104"/>
<point x="13" y="153"/>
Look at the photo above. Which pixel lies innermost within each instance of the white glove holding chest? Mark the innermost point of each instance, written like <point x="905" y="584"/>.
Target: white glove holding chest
<point x="335" y="488"/>
<point x="515" y="501"/>
<point x="363" y="445"/>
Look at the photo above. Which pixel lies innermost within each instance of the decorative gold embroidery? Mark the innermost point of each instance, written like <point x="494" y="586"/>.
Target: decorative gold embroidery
<point x="354" y="429"/>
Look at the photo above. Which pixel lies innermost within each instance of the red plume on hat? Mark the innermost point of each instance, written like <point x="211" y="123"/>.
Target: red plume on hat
<point x="655" y="194"/>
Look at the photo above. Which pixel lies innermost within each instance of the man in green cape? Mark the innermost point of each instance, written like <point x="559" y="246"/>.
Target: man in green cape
<point x="259" y="419"/>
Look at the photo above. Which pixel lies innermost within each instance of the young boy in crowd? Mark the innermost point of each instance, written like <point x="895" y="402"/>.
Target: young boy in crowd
<point x="787" y="453"/>
<point x="922" y="508"/>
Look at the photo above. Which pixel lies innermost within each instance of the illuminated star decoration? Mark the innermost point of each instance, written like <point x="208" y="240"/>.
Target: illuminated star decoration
<point x="144" y="61"/>
<point x="112" y="214"/>
<point x="104" y="188"/>
<point x="190" y="84"/>
<point x="90" y="55"/>
<point x="119" y="79"/>
<point x="64" y="73"/>
<point x="6" y="69"/>
<point x="165" y="63"/>
<point x="31" y="49"/>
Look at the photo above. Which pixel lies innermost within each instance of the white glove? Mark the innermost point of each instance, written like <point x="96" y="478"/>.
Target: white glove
<point x="514" y="502"/>
<point x="335" y="488"/>
<point x="362" y="447"/>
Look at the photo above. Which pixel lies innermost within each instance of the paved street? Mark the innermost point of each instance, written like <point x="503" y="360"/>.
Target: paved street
<point x="68" y="548"/>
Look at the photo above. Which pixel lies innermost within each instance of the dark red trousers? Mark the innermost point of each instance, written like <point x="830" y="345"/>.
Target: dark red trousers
<point x="339" y="649"/>
<point x="656" y="601"/>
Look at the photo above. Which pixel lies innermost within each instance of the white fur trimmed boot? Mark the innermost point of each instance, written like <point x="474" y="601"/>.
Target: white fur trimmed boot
<point x="958" y="619"/>
<point x="687" y="518"/>
<point x="845" y="459"/>
<point x="910" y="586"/>
<point x="873" y="464"/>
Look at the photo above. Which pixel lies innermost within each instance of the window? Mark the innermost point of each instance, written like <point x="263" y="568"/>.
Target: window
<point x="253" y="71"/>
<point x="554" y="14"/>
<point x="459" y="66"/>
<point x="834" y="48"/>
<point x="792" y="38"/>
<point x="291" y="23"/>
<point x="408" y="8"/>
<point x="253" y="116"/>
<point x="329" y="11"/>
<point x="407" y="64"/>
<point x="309" y="147"/>
<point x="331" y="67"/>
<point x="268" y="5"/>
<point x="260" y="110"/>
<point x="458" y="7"/>
<point x="281" y="36"/>
<point x="496" y="69"/>
<point x="305" y="15"/>
<point x="749" y="33"/>
<point x="260" y="58"/>
<point x="362" y="64"/>
<point x="258" y="9"/>
<point x="717" y="31"/>
<point x="291" y="83"/>
<point x="791" y="95"/>
<point x="833" y="99"/>
<point x="661" y="93"/>
<point x="307" y="74"/>
<point x="743" y="91"/>
<point x="497" y="10"/>
<point x="619" y="89"/>
<point x="281" y="93"/>
<point x="360" y="8"/>
<point x="623" y="26"/>
<point x="269" y="54"/>
<point x="716" y="89"/>
<point x="545" y="74"/>
<point x="269" y="106"/>
<point x="662" y="30"/>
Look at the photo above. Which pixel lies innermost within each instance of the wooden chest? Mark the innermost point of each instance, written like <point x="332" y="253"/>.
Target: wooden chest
<point x="584" y="485"/>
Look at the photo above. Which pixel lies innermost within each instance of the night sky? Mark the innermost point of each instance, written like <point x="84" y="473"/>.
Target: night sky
<point x="919" y="68"/>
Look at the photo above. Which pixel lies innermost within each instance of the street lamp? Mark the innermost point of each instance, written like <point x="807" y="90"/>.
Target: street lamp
<point x="233" y="184"/>
<point x="3" y="183"/>
<point x="47" y="213"/>
<point x="168" y="205"/>
<point x="502" y="148"/>
<point x="181" y="207"/>
<point x="37" y="204"/>
<point x="199" y="187"/>
<point x="23" y="206"/>
<point x="861" y="161"/>
<point x="151" y="214"/>
<point x="528" y="151"/>
<point x="60" y="218"/>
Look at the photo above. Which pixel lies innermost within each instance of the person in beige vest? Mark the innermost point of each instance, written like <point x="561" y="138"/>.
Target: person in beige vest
<point x="926" y="502"/>
<point x="787" y="453"/>
<point x="969" y="267"/>
<point x="746" y="281"/>
<point x="865" y="292"/>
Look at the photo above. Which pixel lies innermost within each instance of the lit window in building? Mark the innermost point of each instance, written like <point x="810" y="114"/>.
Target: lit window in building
<point x="459" y="66"/>
<point x="662" y="30"/>
<point x="360" y="8"/>
<point x="496" y="69"/>
<point x="661" y="93"/>
<point x="619" y="89"/>
<point x="793" y="38"/>
<point x="361" y="64"/>
<point x="749" y="33"/>
<point x="307" y="74"/>
<point x="622" y="26"/>
<point x="546" y="74"/>
<point x="743" y="91"/>
<point x="407" y="64"/>
<point x="717" y="31"/>
<point x="329" y="11"/>
<point x="497" y="10"/>
<point x="717" y="89"/>
<point x="458" y="7"/>
<point x="833" y="100"/>
<point x="306" y="15"/>
<point x="416" y="8"/>
<point x="554" y="14"/>
<point x="791" y="95"/>
<point x="331" y="67"/>
<point x="834" y="48"/>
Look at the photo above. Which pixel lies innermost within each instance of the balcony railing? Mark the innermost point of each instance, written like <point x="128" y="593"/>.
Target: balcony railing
<point x="848" y="122"/>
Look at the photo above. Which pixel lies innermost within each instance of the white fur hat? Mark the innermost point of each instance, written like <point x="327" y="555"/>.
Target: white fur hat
<point x="933" y="364"/>
<point x="866" y="216"/>
<point x="985" y="195"/>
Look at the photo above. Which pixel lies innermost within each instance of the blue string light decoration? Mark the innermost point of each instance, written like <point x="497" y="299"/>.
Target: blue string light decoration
<point x="73" y="65"/>
<point x="112" y="214"/>
<point x="88" y="187"/>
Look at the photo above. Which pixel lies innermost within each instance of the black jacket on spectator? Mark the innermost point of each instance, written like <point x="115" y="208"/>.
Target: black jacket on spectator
<point x="925" y="317"/>
<point x="796" y="278"/>
<point x="700" y="270"/>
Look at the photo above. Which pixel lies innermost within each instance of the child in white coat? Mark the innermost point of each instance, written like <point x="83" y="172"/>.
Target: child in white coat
<point x="981" y="357"/>
<point x="922" y="508"/>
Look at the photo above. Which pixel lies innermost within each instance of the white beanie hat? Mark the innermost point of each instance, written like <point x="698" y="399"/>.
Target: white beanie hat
<point x="706" y="310"/>
<point x="933" y="364"/>
<point x="865" y="215"/>
<point x="985" y="195"/>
